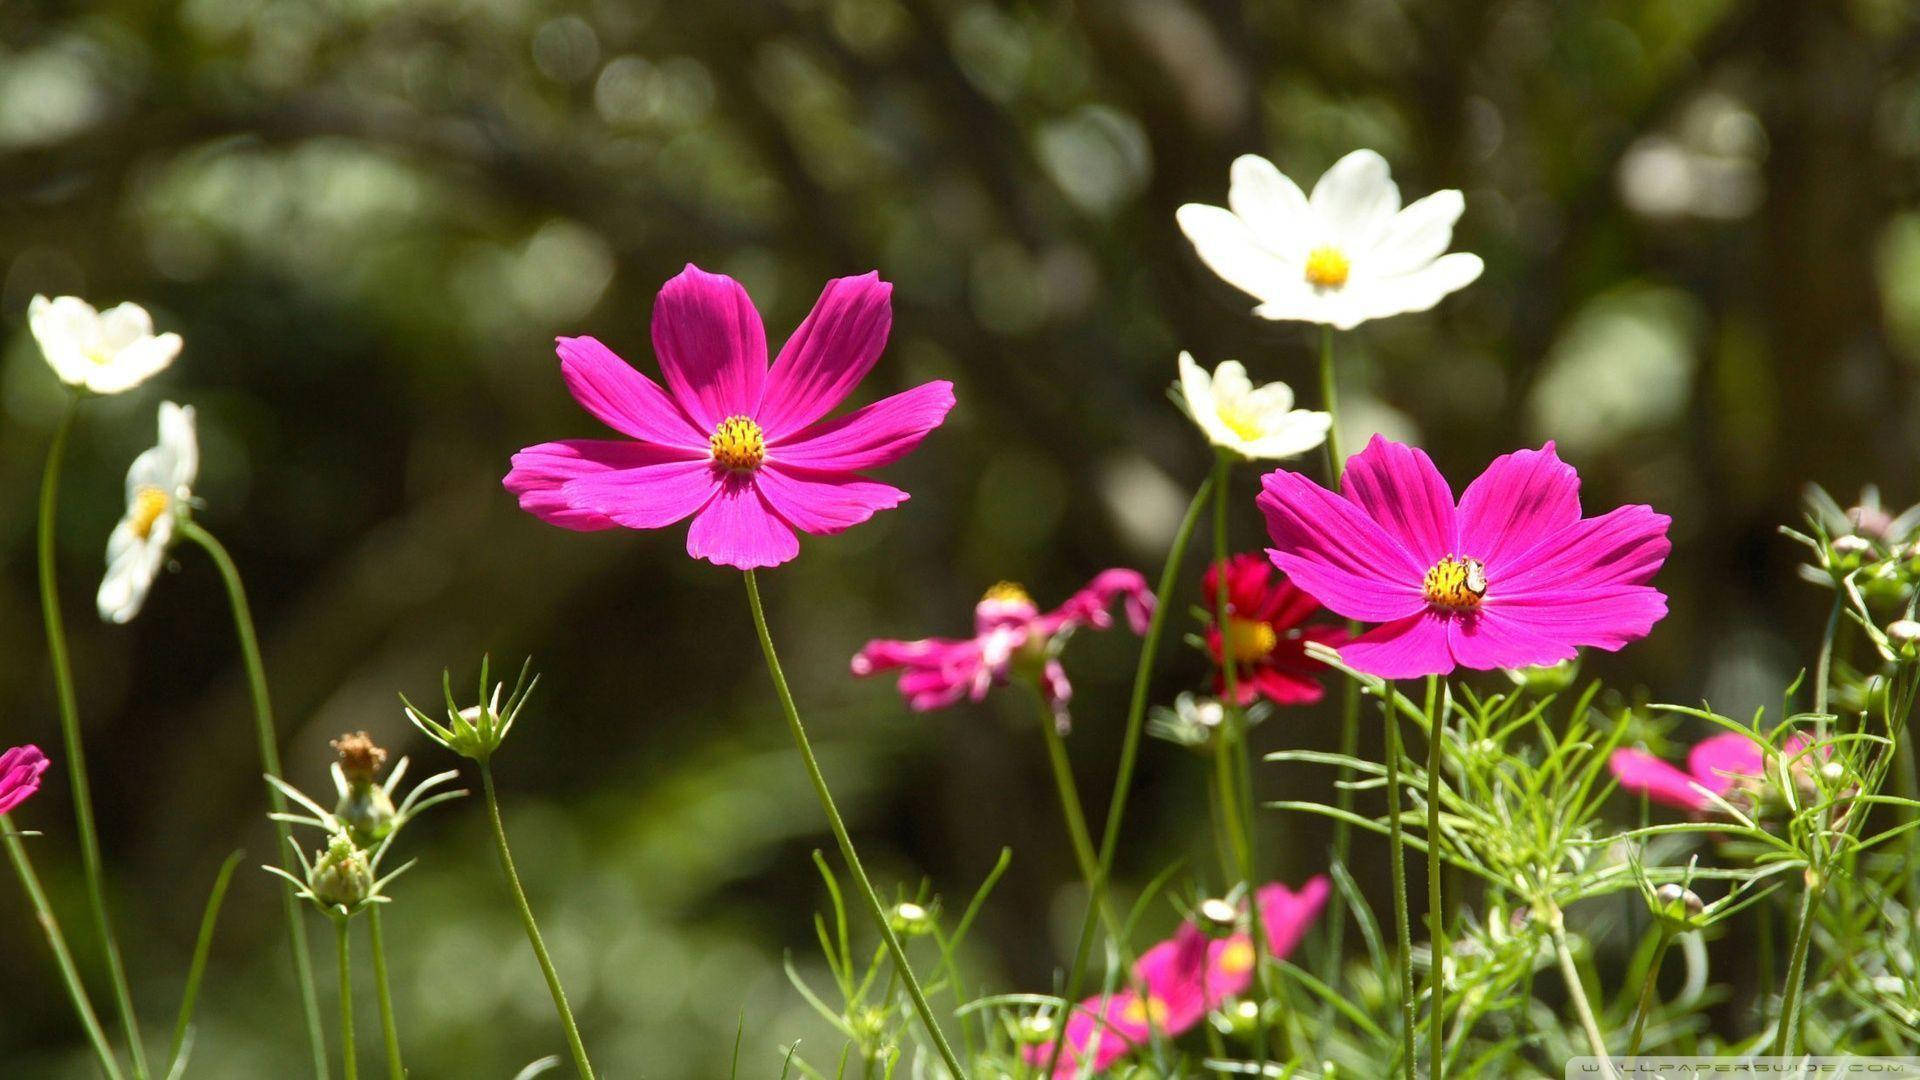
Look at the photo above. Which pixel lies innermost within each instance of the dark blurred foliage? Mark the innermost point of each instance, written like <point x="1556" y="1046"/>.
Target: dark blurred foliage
<point x="369" y="218"/>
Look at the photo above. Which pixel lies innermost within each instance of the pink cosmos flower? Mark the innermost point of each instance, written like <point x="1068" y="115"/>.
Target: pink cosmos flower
<point x="1511" y="576"/>
<point x="1009" y="630"/>
<point x="1184" y="978"/>
<point x="1715" y="766"/>
<point x="741" y="449"/>
<point x="1266" y="635"/>
<point x="20" y="770"/>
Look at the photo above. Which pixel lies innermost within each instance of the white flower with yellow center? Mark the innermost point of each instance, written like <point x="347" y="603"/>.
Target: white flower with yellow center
<point x="159" y="493"/>
<point x="1346" y="254"/>
<point x="1256" y="422"/>
<point x="102" y="351"/>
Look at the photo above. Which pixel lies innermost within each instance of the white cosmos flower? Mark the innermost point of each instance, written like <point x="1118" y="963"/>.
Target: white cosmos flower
<point x="159" y="493"/>
<point x="1345" y="255"/>
<point x="102" y="351"/>
<point x="1252" y="421"/>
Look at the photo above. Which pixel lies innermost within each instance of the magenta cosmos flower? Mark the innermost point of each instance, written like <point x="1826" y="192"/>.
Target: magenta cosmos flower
<point x="739" y="447"/>
<point x="1512" y="576"/>
<point x="20" y="770"/>
<point x="1716" y="766"/>
<point x="1008" y="630"/>
<point x="1184" y="978"/>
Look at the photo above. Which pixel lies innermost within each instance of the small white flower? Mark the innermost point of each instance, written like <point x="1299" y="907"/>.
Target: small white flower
<point x="1347" y="254"/>
<point x="1252" y="421"/>
<point x="102" y="351"/>
<point x="159" y="491"/>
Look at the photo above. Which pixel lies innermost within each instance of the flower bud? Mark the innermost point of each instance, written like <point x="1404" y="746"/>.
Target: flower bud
<point x="1217" y="918"/>
<point x="1035" y="1029"/>
<point x="364" y="807"/>
<point x="342" y="876"/>
<point x="909" y="919"/>
<point x="1904" y="636"/>
<point x="1242" y="1017"/>
<point x="1546" y="679"/>
<point x="1678" y="907"/>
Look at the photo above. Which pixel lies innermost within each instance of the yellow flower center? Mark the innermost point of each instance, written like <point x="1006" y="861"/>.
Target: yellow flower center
<point x="1456" y="584"/>
<point x="1237" y="957"/>
<point x="738" y="443"/>
<point x="1327" y="268"/>
<point x="1249" y="639"/>
<point x="1138" y="1009"/>
<point x="1241" y="422"/>
<point x="148" y="504"/>
<point x="1006" y="592"/>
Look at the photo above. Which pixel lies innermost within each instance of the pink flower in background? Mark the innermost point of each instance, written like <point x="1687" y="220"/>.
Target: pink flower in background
<point x="1266" y="635"/>
<point x="1510" y="577"/>
<point x="1715" y="767"/>
<point x="1008" y="629"/>
<point x="20" y="770"/>
<point x="739" y="447"/>
<point x="1184" y="978"/>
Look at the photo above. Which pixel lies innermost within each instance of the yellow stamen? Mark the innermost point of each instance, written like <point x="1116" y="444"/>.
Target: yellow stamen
<point x="1456" y="584"/>
<point x="1241" y="423"/>
<point x="1249" y="639"/>
<point x="738" y="443"/>
<point x="1327" y="268"/>
<point x="1237" y="957"/>
<point x="1137" y="1010"/>
<point x="1006" y="592"/>
<point x="148" y="504"/>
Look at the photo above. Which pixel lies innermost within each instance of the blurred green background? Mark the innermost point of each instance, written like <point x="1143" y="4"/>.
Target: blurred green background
<point x="369" y="218"/>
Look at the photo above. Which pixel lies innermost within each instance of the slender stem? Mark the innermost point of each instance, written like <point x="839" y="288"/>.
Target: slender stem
<point x="1577" y="990"/>
<point x="1786" y="1042"/>
<point x="839" y="827"/>
<point x="1403" y="947"/>
<point x="578" y="1048"/>
<point x="69" y="974"/>
<point x="75" y="750"/>
<point x="1349" y="690"/>
<point x="349" y="1066"/>
<point x="1330" y="401"/>
<point x="1130" y="746"/>
<point x="389" y="1031"/>
<point x="1071" y="808"/>
<point x="1436" y="905"/>
<point x="1647" y="992"/>
<point x="269" y="747"/>
<point x="1823" y="667"/>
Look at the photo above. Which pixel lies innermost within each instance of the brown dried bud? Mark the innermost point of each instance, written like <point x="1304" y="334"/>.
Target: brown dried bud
<point x="360" y="759"/>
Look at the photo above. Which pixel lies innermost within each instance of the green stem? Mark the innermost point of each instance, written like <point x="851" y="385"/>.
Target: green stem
<point x="1130" y="745"/>
<point x="269" y="747"/>
<point x="1647" y="992"/>
<point x="1436" y="909"/>
<point x="75" y="750"/>
<point x="578" y="1048"/>
<point x="349" y="1066"/>
<point x="839" y="827"/>
<point x="1577" y="990"/>
<point x="1403" y="947"/>
<point x="1823" y="667"/>
<point x="1349" y="690"/>
<point x="69" y="974"/>
<point x="1786" y="1041"/>
<point x="1072" y="810"/>
<point x="389" y="1031"/>
<point x="1330" y="401"/>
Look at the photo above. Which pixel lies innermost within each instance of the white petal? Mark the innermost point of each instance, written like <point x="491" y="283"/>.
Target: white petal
<point x="153" y="468"/>
<point x="182" y="446"/>
<point x="1305" y="304"/>
<point x="134" y="364"/>
<point x="1300" y="432"/>
<point x="123" y="590"/>
<point x="1230" y="249"/>
<point x="124" y="324"/>
<point x="1196" y="386"/>
<point x="1419" y="290"/>
<point x="1230" y="382"/>
<point x="68" y="330"/>
<point x="1273" y="400"/>
<point x="1416" y="236"/>
<point x="1270" y="204"/>
<point x="1355" y="200"/>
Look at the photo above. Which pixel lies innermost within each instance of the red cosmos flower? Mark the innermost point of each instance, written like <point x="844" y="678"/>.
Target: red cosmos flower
<point x="1266" y="636"/>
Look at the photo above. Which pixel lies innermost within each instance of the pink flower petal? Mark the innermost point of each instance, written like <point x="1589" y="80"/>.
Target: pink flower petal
<point x="829" y="354"/>
<point x="1328" y="547"/>
<point x="20" y="771"/>
<point x="712" y="346"/>
<point x="739" y="529"/>
<point x="1289" y="914"/>
<point x="1624" y="546"/>
<point x="1089" y="606"/>
<point x="1602" y="616"/>
<point x="867" y="438"/>
<point x="647" y="497"/>
<point x="1400" y="489"/>
<point x="1520" y="500"/>
<point x="1405" y="648"/>
<point x="540" y="473"/>
<point x="823" y="502"/>
<point x="623" y="398"/>
<point x="1501" y="637"/>
<point x="1718" y="761"/>
<point x="1641" y="773"/>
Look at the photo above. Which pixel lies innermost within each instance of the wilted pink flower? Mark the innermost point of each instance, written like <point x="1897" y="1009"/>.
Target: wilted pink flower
<point x="20" y="770"/>
<point x="1266" y="635"/>
<point x="1009" y="630"/>
<point x="1715" y="767"/>
<point x="1512" y="576"/>
<point x="1183" y="978"/>
<point x="738" y="447"/>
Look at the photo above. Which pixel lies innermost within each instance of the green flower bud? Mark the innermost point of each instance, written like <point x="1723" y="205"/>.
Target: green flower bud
<point x="1547" y="679"/>
<point x="342" y="875"/>
<point x="908" y="919"/>
<point x="1678" y="908"/>
<point x="1035" y="1029"/>
<point x="364" y="808"/>
<point x="1217" y="918"/>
